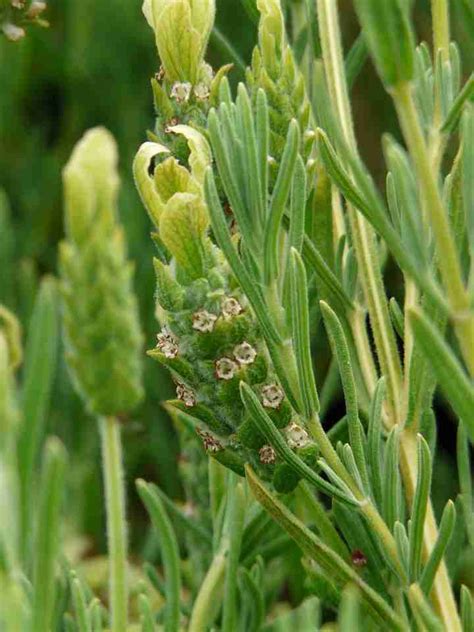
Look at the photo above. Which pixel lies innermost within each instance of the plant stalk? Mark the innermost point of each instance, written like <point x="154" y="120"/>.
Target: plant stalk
<point x="448" y="261"/>
<point x="116" y="524"/>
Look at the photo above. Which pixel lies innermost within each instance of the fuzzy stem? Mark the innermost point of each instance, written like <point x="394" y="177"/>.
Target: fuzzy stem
<point x="440" y="20"/>
<point x="116" y="524"/>
<point x="449" y="265"/>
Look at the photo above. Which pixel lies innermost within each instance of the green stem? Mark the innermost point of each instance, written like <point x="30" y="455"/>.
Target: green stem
<point x="363" y="235"/>
<point x="449" y="264"/>
<point x="116" y="524"/>
<point x="440" y="21"/>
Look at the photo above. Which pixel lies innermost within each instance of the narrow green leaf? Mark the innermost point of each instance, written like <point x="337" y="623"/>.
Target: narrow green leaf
<point x="227" y="52"/>
<point x="298" y="206"/>
<point x="224" y="241"/>
<point x="422" y="610"/>
<point x="349" y="611"/>
<point x="388" y="33"/>
<point x="374" y="211"/>
<point x="403" y="544"/>
<point x="314" y="260"/>
<point x="355" y="60"/>
<point x="253" y="163"/>
<point x="396" y="315"/>
<point x="47" y="536"/>
<point x="468" y="177"/>
<point x="341" y="351"/>
<point x="300" y="333"/>
<point x="452" y="378"/>
<point x="95" y="615"/>
<point x="334" y="566"/>
<point x="278" y="202"/>
<point x="467" y="609"/>
<point x="419" y="508"/>
<point x="454" y="114"/>
<point x="253" y="598"/>
<point x="263" y="141"/>
<point x="391" y="481"/>
<point x="465" y="480"/>
<point x="169" y="550"/>
<point x="146" y="613"/>
<point x="80" y="606"/>
<point x="40" y="366"/>
<point x="233" y="531"/>
<point x="446" y="528"/>
<point x="182" y="519"/>
<point x="263" y="422"/>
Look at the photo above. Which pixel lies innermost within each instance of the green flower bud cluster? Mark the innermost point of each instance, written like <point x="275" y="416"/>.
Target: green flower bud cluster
<point x="100" y="315"/>
<point x="15" y="15"/>
<point x="210" y="340"/>
<point x="274" y="70"/>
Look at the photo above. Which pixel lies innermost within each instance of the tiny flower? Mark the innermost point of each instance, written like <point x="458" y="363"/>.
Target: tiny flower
<point x="35" y="9"/>
<point x="296" y="436"/>
<point x="13" y="32"/>
<point x="244" y="353"/>
<point x="358" y="558"/>
<point x="267" y="455"/>
<point x="272" y="396"/>
<point x="225" y="369"/>
<point x="201" y="91"/>
<point x="167" y="343"/>
<point x="181" y="91"/>
<point x="204" y="321"/>
<point x="186" y="395"/>
<point x="211" y="444"/>
<point x="271" y="161"/>
<point x="231" y="307"/>
<point x="18" y="4"/>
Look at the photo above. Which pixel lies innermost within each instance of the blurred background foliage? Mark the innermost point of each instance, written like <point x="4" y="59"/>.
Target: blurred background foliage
<point x="93" y="67"/>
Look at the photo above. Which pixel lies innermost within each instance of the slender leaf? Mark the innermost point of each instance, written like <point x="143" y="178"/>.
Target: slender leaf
<point x="169" y="550"/>
<point x="420" y="506"/>
<point x="451" y="376"/>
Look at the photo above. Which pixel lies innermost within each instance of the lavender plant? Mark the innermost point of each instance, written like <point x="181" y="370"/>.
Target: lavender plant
<point x="274" y="246"/>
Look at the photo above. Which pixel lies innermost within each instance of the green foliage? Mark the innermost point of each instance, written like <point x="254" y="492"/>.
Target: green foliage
<point x="313" y="487"/>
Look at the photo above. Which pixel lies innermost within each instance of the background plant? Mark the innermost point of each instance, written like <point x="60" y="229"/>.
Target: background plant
<point x="222" y="183"/>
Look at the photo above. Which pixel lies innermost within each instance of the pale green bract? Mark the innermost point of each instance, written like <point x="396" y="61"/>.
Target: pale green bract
<point x="182" y="29"/>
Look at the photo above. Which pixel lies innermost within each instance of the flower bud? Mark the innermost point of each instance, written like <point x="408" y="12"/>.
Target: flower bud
<point x="100" y="315"/>
<point x="182" y="29"/>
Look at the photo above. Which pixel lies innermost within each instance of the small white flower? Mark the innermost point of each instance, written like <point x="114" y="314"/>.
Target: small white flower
<point x="181" y="91"/>
<point x="186" y="395"/>
<point x="231" y="307"/>
<point x="267" y="455"/>
<point x="35" y="9"/>
<point x="225" y="369"/>
<point x="12" y="32"/>
<point x="167" y="343"/>
<point x="204" y="321"/>
<point x="201" y="91"/>
<point x="244" y="353"/>
<point x="272" y="396"/>
<point x="296" y="436"/>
